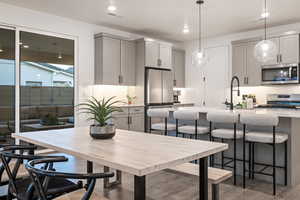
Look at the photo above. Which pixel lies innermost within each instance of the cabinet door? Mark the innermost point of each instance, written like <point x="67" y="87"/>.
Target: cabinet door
<point x="122" y="122"/>
<point x="275" y="60"/>
<point x="151" y="54"/>
<point x="165" y="56"/>
<point x="253" y="67"/>
<point x="128" y="63"/>
<point x="179" y="68"/>
<point x="289" y="49"/>
<point x="239" y="62"/>
<point x="137" y="122"/>
<point x="111" y="61"/>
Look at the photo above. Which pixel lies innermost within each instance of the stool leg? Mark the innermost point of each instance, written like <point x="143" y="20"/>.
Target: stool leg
<point x="285" y="163"/>
<point x="166" y="126"/>
<point x="176" y="127"/>
<point x="215" y="192"/>
<point x="234" y="156"/>
<point x="250" y="160"/>
<point x="244" y="154"/>
<point x="253" y="160"/>
<point x="150" y="126"/>
<point x="274" y="163"/>
<point x="213" y="156"/>
<point x="222" y="154"/>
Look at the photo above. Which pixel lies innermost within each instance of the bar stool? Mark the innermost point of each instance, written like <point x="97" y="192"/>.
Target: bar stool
<point x="271" y="138"/>
<point x="225" y="133"/>
<point x="191" y="130"/>
<point x="161" y="113"/>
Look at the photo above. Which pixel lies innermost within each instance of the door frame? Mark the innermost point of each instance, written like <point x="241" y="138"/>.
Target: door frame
<point x="18" y="29"/>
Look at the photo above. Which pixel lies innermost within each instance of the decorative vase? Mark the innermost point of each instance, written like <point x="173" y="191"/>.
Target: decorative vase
<point x="102" y="132"/>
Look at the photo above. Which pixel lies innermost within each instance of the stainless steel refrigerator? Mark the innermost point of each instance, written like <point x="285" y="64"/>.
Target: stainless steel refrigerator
<point x="158" y="87"/>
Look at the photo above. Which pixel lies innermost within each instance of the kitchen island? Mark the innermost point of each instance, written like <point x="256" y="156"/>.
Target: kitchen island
<point x="289" y="122"/>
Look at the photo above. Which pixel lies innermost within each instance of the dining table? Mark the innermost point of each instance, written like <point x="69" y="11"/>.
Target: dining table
<point x="136" y="153"/>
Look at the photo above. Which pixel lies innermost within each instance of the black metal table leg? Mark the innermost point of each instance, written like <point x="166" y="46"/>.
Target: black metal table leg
<point x="203" y="179"/>
<point x="89" y="169"/>
<point x="139" y="187"/>
<point x="215" y="192"/>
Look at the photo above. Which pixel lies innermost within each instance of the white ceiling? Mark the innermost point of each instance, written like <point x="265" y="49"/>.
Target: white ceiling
<point x="164" y="19"/>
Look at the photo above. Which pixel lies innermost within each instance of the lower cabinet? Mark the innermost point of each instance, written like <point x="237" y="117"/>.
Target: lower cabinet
<point x="131" y="118"/>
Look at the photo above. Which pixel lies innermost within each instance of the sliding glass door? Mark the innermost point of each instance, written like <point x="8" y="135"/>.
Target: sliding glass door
<point x="7" y="84"/>
<point x="46" y="83"/>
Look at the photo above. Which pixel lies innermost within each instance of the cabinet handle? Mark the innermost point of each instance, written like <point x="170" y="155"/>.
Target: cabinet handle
<point x="120" y="79"/>
<point x="280" y="58"/>
<point x="159" y="62"/>
<point x="247" y="80"/>
<point x="175" y="83"/>
<point x="128" y="120"/>
<point x="244" y="80"/>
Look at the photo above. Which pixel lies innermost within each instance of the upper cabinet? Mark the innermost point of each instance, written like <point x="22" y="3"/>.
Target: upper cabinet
<point x="248" y="69"/>
<point x="178" y="68"/>
<point x="244" y="64"/>
<point x="288" y="50"/>
<point x="158" y="54"/>
<point x="114" y="61"/>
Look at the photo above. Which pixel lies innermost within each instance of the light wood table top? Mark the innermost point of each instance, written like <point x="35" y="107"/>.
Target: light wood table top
<point x="136" y="153"/>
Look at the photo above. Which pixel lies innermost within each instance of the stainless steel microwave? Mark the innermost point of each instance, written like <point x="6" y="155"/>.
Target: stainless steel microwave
<point x="280" y="74"/>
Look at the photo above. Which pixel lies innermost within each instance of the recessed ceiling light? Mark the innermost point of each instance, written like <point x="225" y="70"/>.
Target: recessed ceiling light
<point x="265" y="15"/>
<point x="185" y="29"/>
<point x="149" y="39"/>
<point x="1" y="50"/>
<point x="111" y="9"/>
<point x="26" y="46"/>
<point x="59" y="56"/>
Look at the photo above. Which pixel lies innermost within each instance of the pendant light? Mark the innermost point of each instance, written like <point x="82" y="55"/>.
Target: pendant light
<point x="199" y="57"/>
<point x="265" y="50"/>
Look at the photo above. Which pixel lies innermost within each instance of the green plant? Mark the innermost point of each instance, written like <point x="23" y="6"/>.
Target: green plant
<point x="49" y="120"/>
<point x="100" y="110"/>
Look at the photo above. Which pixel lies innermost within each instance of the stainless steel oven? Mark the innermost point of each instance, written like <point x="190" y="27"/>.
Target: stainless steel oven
<point x="280" y="74"/>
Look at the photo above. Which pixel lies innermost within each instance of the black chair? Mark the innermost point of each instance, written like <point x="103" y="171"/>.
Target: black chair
<point x="23" y="188"/>
<point x="41" y="176"/>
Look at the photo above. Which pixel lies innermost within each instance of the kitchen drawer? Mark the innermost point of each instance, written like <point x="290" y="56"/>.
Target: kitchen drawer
<point x="136" y="110"/>
<point x="124" y="111"/>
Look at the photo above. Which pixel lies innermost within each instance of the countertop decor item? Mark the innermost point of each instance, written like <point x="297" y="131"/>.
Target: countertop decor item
<point x="100" y="112"/>
<point x="130" y="99"/>
<point x="265" y="50"/>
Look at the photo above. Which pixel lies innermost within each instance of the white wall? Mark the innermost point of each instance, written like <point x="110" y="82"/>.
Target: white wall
<point x="83" y="32"/>
<point x="196" y="89"/>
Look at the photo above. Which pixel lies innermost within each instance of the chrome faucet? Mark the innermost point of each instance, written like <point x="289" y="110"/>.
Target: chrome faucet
<point x="231" y="90"/>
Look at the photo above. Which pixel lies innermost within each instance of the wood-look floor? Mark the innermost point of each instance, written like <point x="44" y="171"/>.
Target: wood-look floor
<point x="167" y="185"/>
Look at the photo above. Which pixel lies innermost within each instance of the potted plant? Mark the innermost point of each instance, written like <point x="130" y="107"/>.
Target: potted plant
<point x="100" y="112"/>
<point x="130" y="99"/>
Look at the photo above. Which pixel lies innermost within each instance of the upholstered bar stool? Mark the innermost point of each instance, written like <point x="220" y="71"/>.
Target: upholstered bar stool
<point x="161" y="113"/>
<point x="191" y="130"/>
<point x="272" y="138"/>
<point x="225" y="118"/>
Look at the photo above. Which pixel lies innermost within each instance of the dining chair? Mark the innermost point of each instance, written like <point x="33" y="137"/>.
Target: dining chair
<point x="41" y="176"/>
<point x="22" y="188"/>
<point x="160" y="113"/>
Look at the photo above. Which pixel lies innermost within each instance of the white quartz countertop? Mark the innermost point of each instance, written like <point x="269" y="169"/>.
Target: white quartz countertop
<point x="288" y="113"/>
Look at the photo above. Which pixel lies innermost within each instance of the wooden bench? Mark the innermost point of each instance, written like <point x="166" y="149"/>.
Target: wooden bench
<point x="215" y="175"/>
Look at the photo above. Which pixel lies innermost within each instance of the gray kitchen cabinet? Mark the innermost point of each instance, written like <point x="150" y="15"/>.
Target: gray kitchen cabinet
<point x="131" y="118"/>
<point x="165" y="56"/>
<point x="114" y="61"/>
<point x="178" y="63"/>
<point x="151" y="54"/>
<point x="239" y="67"/>
<point x="158" y="54"/>
<point x="275" y="60"/>
<point x="127" y="74"/>
<point x="244" y="64"/>
<point x="253" y="67"/>
<point x="289" y="49"/>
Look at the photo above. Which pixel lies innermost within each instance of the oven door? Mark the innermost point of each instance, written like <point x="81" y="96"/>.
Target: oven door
<point x="280" y="74"/>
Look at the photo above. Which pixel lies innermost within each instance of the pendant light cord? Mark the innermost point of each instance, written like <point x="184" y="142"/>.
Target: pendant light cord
<point x="200" y="26"/>
<point x="265" y="11"/>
